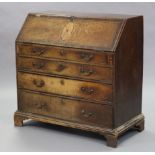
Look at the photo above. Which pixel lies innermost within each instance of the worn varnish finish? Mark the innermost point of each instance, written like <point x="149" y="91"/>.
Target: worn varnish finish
<point x="70" y="32"/>
<point x="67" y="87"/>
<point x="82" y="72"/>
<point x="57" y="67"/>
<point x="62" y="108"/>
<point x="128" y="71"/>
<point x="70" y="54"/>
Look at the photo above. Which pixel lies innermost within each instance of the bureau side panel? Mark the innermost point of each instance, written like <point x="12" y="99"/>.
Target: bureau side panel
<point x="128" y="72"/>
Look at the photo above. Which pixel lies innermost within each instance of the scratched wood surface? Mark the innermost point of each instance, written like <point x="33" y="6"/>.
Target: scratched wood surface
<point x="91" y="34"/>
<point x="71" y="110"/>
<point x="81" y="72"/>
<point x="57" y="67"/>
<point x="81" y="89"/>
<point x="70" y="54"/>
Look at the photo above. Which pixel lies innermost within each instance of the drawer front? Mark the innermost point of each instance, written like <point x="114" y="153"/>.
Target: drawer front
<point x="97" y="73"/>
<point x="84" y="56"/>
<point x="74" y="88"/>
<point x="83" y="112"/>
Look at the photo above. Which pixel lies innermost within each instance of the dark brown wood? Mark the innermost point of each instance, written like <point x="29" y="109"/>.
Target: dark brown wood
<point x="139" y="126"/>
<point x="67" y="109"/>
<point x="111" y="140"/>
<point x="110" y="134"/>
<point x="67" y="87"/>
<point x="18" y="120"/>
<point x="81" y="72"/>
<point x="62" y="68"/>
<point x="77" y="33"/>
<point x="128" y="72"/>
<point x="70" y="54"/>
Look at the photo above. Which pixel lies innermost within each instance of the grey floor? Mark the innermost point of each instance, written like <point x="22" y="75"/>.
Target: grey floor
<point x="44" y="137"/>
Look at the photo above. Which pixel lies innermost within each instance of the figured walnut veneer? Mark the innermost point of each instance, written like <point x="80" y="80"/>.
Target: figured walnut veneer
<point x="81" y="71"/>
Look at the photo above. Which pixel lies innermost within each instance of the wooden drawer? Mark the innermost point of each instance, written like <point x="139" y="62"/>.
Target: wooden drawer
<point x="84" y="56"/>
<point x="74" y="88"/>
<point x="76" y="70"/>
<point x="62" y="108"/>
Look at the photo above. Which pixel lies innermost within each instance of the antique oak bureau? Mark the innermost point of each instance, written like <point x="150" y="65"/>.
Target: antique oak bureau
<point x="81" y="71"/>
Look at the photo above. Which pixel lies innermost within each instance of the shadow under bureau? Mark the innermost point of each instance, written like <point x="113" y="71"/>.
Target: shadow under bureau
<point x="81" y="71"/>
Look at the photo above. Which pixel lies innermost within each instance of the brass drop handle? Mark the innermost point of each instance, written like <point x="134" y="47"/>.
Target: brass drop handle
<point x="86" y="71"/>
<point x="38" y="83"/>
<point x="85" y="114"/>
<point x="60" y="68"/>
<point x="71" y="18"/>
<point x="62" y="101"/>
<point x="86" y="56"/>
<point x="87" y="90"/>
<point x="38" y="51"/>
<point x="62" y="52"/>
<point x="41" y="106"/>
<point x="38" y="65"/>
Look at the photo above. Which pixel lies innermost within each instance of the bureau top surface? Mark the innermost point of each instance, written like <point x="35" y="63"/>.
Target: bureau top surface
<point x="84" y="15"/>
<point x="86" y="31"/>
